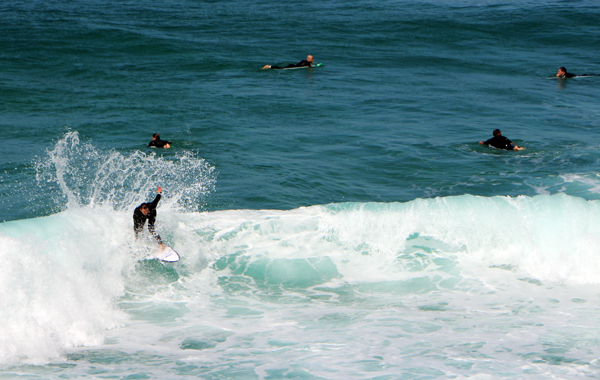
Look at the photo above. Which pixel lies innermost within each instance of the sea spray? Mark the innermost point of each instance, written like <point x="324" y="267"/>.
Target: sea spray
<point x="79" y="173"/>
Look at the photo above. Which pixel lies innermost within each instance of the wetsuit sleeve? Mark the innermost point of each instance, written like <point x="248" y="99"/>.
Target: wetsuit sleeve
<point x="151" y="144"/>
<point x="152" y="206"/>
<point x="488" y="141"/>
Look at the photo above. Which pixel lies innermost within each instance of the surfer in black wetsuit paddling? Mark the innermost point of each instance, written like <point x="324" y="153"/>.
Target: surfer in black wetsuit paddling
<point x="147" y="211"/>
<point x="562" y="73"/>
<point x="157" y="142"/>
<point x="308" y="62"/>
<point x="500" y="142"/>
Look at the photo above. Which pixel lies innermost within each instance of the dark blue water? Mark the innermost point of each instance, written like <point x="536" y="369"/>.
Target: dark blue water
<point x="395" y="112"/>
<point x="405" y="92"/>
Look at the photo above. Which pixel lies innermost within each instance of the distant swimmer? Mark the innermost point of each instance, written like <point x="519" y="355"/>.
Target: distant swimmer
<point x="147" y="211"/>
<point x="308" y="62"/>
<point x="157" y="142"/>
<point x="500" y="142"/>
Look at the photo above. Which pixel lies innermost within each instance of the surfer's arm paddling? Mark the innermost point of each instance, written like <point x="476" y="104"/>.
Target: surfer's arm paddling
<point x="500" y="142"/>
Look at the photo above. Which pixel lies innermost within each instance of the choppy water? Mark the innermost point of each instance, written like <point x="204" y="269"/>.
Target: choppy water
<point x="337" y="222"/>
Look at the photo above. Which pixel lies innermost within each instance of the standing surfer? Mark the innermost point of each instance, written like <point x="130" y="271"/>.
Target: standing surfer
<point x="147" y="211"/>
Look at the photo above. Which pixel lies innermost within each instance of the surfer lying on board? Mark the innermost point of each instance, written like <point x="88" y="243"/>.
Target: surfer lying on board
<point x="157" y="142"/>
<point x="500" y="142"/>
<point x="308" y="62"/>
<point x="562" y="73"/>
<point x="147" y="211"/>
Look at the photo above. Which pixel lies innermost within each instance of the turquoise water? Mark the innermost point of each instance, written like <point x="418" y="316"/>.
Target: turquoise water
<point x="337" y="222"/>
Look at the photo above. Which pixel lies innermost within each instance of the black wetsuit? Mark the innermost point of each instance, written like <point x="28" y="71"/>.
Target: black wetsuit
<point x="139" y="219"/>
<point x="500" y="142"/>
<point x="569" y="75"/>
<point x="303" y="63"/>
<point x="158" y="143"/>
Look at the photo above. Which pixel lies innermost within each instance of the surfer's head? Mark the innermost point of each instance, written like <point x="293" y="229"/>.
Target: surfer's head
<point x="310" y="59"/>
<point x="156" y="136"/>
<point x="144" y="208"/>
<point x="497" y="132"/>
<point x="562" y="71"/>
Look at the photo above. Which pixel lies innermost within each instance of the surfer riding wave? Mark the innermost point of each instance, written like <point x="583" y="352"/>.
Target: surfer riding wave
<point x="147" y="211"/>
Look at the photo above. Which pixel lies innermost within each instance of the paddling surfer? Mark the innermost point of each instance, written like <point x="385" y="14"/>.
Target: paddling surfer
<point x="147" y="211"/>
<point x="500" y="142"/>
<point x="562" y="73"/>
<point x="157" y="142"/>
<point x="308" y="62"/>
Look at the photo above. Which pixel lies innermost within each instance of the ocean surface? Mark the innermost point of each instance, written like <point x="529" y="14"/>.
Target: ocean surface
<point x="341" y="222"/>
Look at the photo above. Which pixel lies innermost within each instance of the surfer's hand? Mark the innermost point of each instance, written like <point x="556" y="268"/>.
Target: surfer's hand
<point x="159" y="189"/>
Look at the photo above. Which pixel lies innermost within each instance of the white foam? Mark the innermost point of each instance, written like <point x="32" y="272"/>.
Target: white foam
<point x="61" y="275"/>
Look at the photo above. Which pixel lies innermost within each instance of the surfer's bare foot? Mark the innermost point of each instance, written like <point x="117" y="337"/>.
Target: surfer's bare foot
<point x="267" y="67"/>
<point x="162" y="246"/>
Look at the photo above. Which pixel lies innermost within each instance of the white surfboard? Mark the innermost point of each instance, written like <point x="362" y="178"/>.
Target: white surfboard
<point x="167" y="255"/>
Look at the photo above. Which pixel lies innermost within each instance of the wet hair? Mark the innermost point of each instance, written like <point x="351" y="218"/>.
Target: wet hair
<point x="496" y="132"/>
<point x="562" y="69"/>
<point x="143" y="206"/>
<point x="156" y="135"/>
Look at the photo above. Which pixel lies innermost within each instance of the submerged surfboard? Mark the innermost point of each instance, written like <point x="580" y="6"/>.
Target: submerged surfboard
<point x="167" y="255"/>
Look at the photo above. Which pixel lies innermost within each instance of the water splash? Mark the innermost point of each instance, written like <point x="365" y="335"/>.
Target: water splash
<point x="86" y="176"/>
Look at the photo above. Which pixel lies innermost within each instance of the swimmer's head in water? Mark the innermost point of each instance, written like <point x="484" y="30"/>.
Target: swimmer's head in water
<point x="496" y="132"/>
